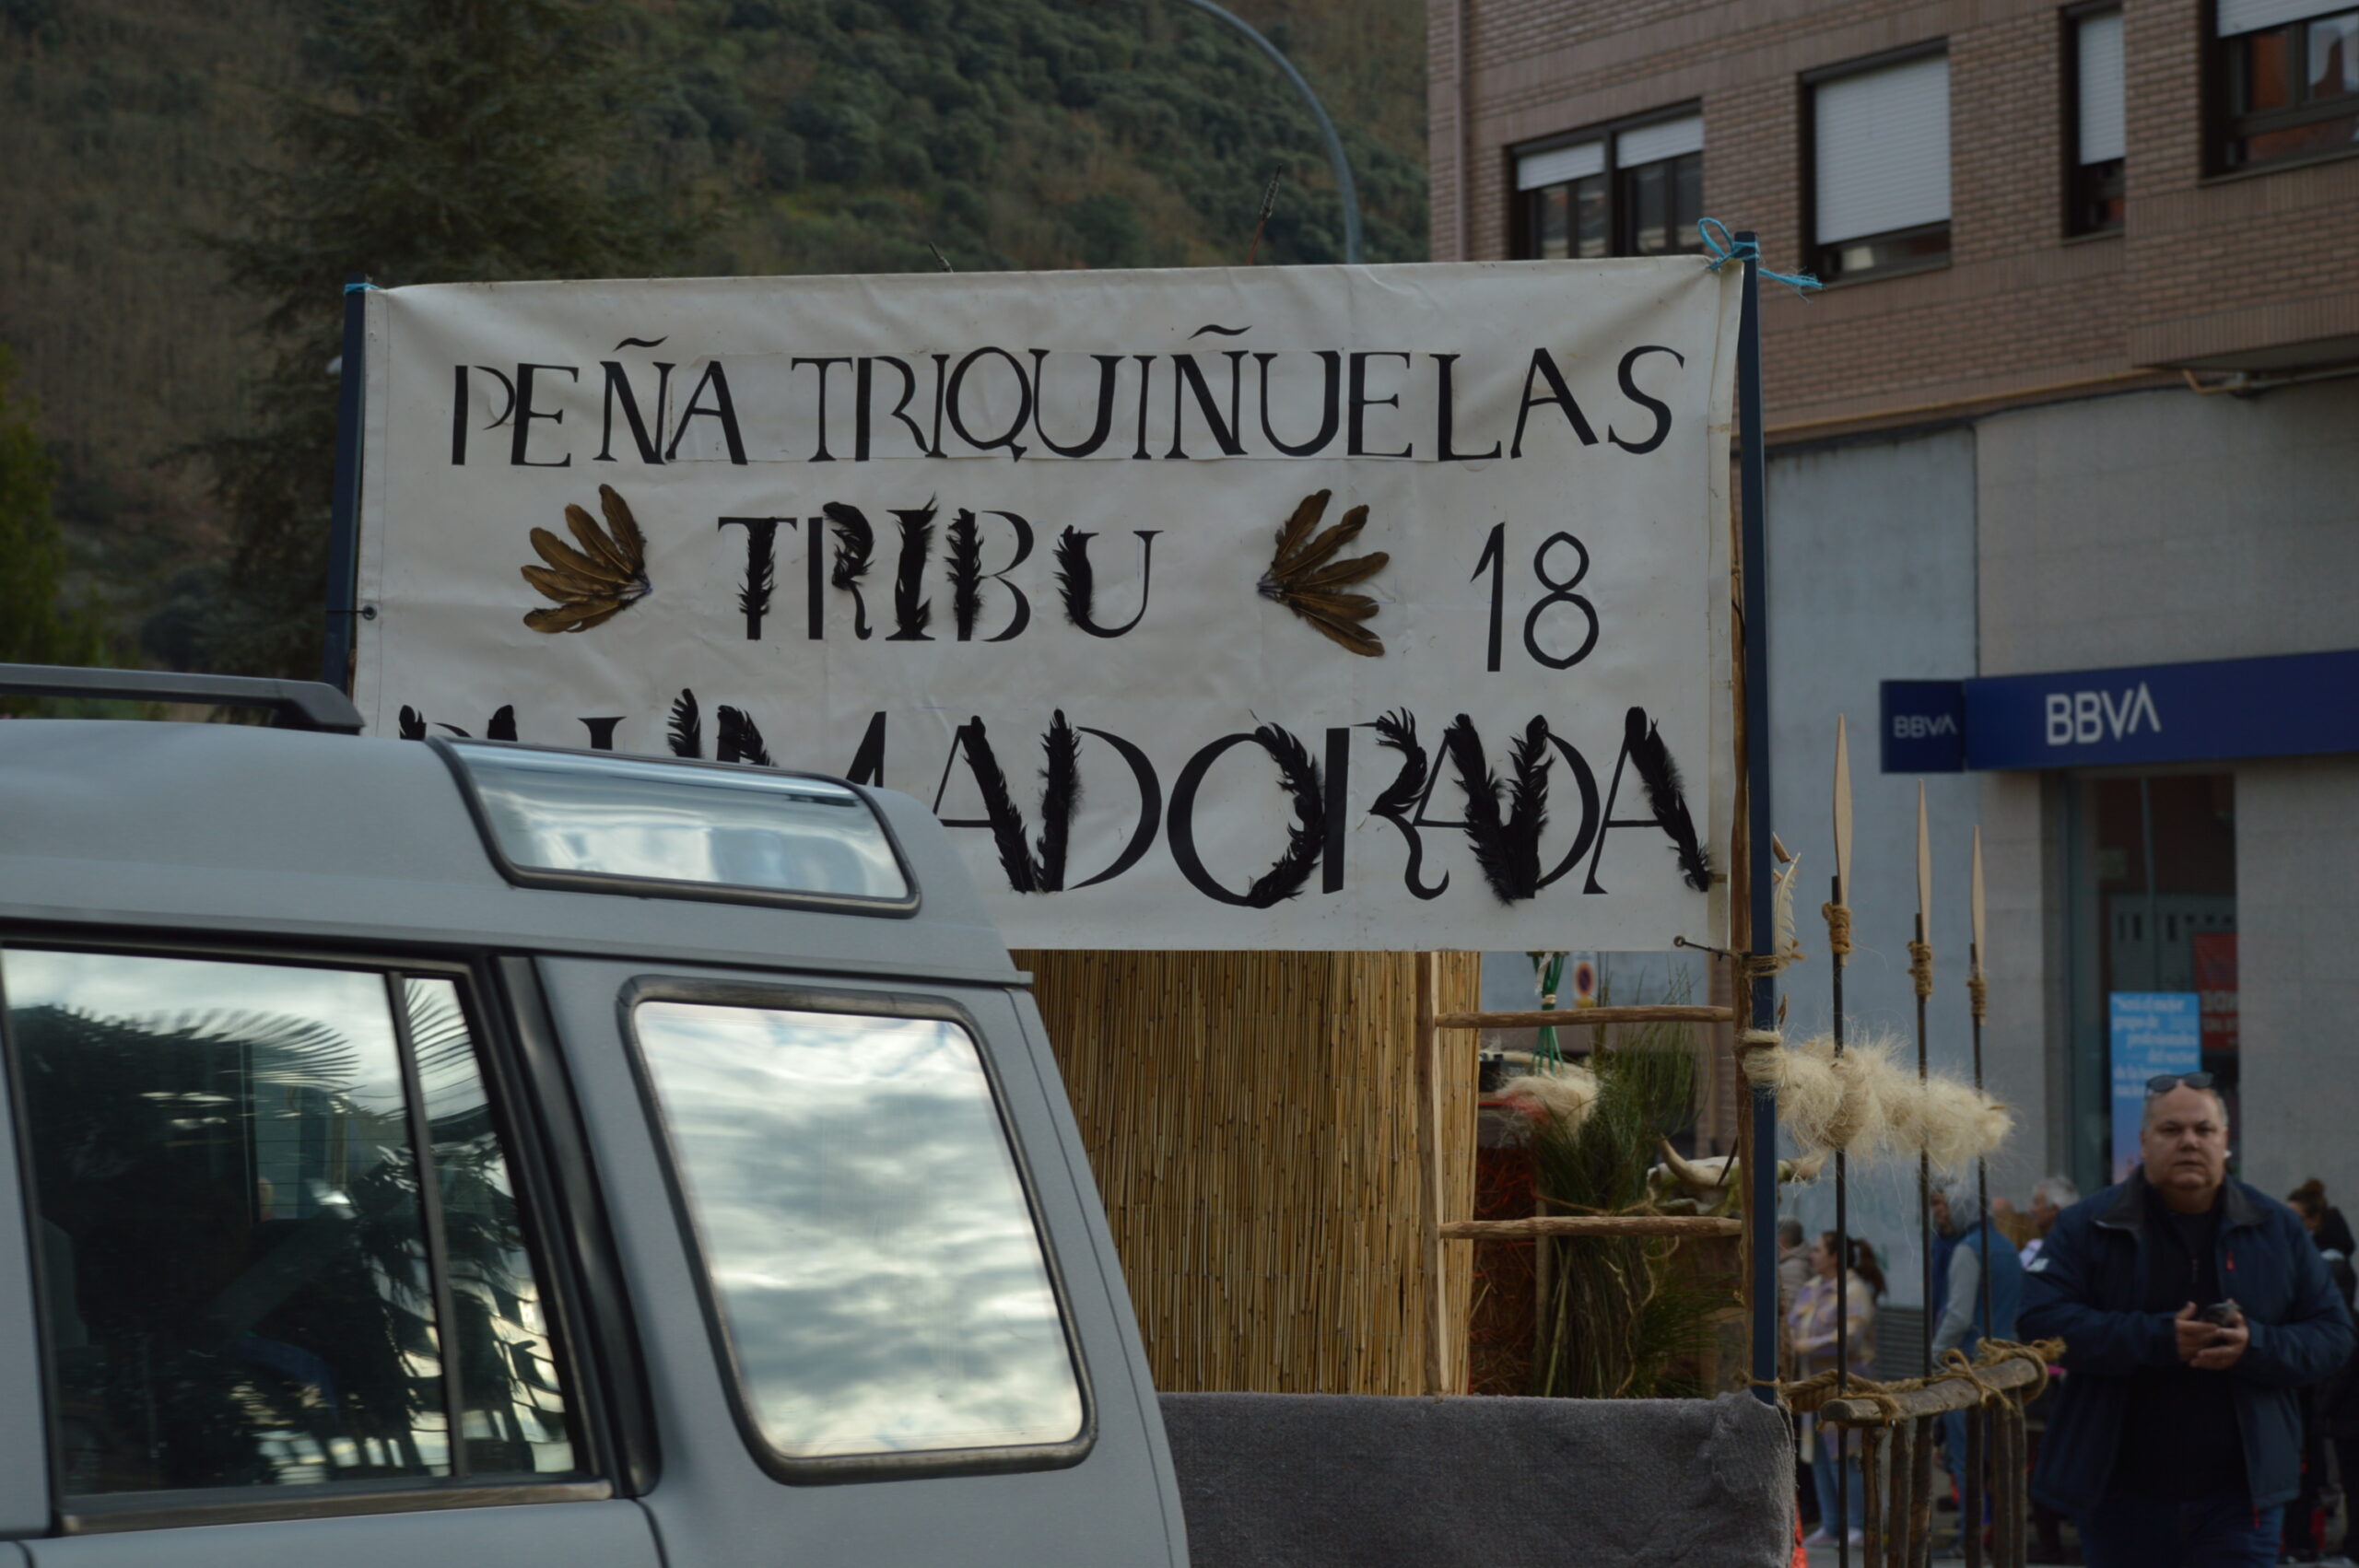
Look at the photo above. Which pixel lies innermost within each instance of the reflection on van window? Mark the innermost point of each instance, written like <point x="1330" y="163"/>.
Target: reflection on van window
<point x="232" y="1249"/>
<point x="864" y="1228"/>
<point x="509" y="1386"/>
<point x="620" y="816"/>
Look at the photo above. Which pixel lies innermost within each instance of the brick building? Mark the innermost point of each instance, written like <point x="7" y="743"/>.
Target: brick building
<point x="2076" y="421"/>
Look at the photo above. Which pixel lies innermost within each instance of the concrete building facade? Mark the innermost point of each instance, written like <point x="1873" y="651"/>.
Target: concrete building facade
<point x="2083" y="395"/>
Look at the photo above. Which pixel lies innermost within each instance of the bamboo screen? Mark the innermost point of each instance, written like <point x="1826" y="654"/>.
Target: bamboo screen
<point x="1252" y="1121"/>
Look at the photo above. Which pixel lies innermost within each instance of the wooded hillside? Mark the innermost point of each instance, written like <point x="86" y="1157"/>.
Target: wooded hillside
<point x="811" y="135"/>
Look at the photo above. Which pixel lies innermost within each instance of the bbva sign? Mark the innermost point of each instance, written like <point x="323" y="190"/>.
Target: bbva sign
<point x="2084" y="717"/>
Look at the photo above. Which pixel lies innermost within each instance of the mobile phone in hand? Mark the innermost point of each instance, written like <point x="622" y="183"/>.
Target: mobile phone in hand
<point x="2221" y="1314"/>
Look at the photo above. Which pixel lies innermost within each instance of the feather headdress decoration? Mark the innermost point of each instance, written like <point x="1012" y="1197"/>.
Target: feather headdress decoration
<point x="413" y="723"/>
<point x="1397" y="802"/>
<point x="594" y="584"/>
<point x="912" y="612"/>
<point x="966" y="572"/>
<point x="1666" y="797"/>
<point x="1078" y="580"/>
<point x="741" y="739"/>
<point x="855" y="551"/>
<point x="1298" y="776"/>
<point x="686" y="732"/>
<point x="1565" y="1094"/>
<point x="1308" y="577"/>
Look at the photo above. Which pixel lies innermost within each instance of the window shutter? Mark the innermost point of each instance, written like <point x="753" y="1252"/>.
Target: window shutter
<point x="1557" y="165"/>
<point x="2099" y="52"/>
<point x="1883" y="150"/>
<point x="2252" y="16"/>
<point x="1668" y="138"/>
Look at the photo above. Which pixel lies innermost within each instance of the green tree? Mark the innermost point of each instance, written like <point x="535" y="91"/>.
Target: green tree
<point x="460" y="140"/>
<point x="35" y="628"/>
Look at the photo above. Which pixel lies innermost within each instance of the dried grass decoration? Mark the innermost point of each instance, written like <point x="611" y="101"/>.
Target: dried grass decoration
<point x="1307" y="576"/>
<point x="1867" y="1104"/>
<point x="1560" y="1095"/>
<point x="597" y="582"/>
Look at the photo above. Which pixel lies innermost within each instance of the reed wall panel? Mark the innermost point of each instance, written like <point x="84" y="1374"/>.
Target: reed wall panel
<point x="1251" y="1118"/>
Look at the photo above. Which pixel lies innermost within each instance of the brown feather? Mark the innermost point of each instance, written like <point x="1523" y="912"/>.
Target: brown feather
<point x="1347" y="528"/>
<point x="578" y="615"/>
<point x="625" y="528"/>
<point x="565" y="558"/>
<point x="565" y="587"/>
<point x="1296" y="529"/>
<point x="1344" y="573"/>
<point x="1342" y="606"/>
<point x="1358" y="639"/>
<point x="594" y="540"/>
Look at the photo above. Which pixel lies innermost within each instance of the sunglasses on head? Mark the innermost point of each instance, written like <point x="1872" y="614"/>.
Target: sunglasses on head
<point x="2164" y="1082"/>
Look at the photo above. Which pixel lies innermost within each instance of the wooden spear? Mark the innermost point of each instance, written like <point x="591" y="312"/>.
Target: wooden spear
<point x="1838" y="947"/>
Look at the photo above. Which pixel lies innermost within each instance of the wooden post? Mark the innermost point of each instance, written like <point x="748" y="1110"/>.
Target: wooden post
<point x="1430" y="1169"/>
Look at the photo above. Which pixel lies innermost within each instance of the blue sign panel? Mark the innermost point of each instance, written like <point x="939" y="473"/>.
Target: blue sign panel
<point x="2154" y="1033"/>
<point x="1923" y="726"/>
<point x="2294" y="704"/>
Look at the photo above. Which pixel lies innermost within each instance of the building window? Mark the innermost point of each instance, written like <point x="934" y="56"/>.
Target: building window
<point x="2099" y="136"/>
<point x="1630" y="189"/>
<point x="1880" y="168"/>
<point x="2289" y="83"/>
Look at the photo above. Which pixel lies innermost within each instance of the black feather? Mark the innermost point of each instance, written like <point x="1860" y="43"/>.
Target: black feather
<point x="1493" y="850"/>
<point x="966" y="572"/>
<point x="1398" y="731"/>
<point x="912" y="612"/>
<point x="741" y="739"/>
<point x="503" y="724"/>
<point x="1666" y="797"/>
<point x="855" y="552"/>
<point x="1076" y="578"/>
<point x="999" y="809"/>
<point x="456" y="731"/>
<point x="761" y="573"/>
<point x="1060" y="797"/>
<point x="1298" y="776"/>
<point x="413" y="723"/>
<point x="1530" y="758"/>
<point x="686" y="733"/>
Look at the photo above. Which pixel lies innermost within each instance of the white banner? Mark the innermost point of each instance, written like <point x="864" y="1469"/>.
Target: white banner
<point x="1342" y="608"/>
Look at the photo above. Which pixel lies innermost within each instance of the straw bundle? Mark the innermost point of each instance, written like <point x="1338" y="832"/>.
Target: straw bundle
<point x="1252" y="1121"/>
<point x="1564" y="1093"/>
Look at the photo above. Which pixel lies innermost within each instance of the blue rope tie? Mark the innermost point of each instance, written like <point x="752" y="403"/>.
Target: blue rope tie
<point x="1727" y="249"/>
<point x="363" y="287"/>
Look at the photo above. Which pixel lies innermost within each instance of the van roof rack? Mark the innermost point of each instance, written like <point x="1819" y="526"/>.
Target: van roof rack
<point x="295" y="705"/>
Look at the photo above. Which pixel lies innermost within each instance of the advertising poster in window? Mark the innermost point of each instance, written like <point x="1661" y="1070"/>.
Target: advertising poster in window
<point x="1301" y="608"/>
<point x="2152" y="1033"/>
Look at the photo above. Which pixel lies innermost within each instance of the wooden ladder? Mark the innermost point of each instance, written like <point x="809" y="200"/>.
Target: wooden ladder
<point x="1431" y="1025"/>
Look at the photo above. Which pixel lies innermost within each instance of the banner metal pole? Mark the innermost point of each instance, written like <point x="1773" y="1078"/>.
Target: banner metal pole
<point x="344" y="527"/>
<point x="1761" y="1177"/>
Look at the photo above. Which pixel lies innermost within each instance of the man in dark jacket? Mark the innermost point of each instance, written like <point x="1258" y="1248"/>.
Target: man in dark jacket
<point x="2193" y="1310"/>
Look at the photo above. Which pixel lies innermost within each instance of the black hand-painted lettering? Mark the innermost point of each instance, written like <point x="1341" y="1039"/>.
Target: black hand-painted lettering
<point x="525" y="413"/>
<point x="723" y="412"/>
<point x="650" y="442"/>
<point x="1494" y="561"/>
<point x="740" y="738"/>
<point x="1508" y="849"/>
<point x="1109" y="366"/>
<point x="1543" y="366"/>
<point x="602" y="732"/>
<point x="1005" y="440"/>
<point x="1643" y="747"/>
<point x="1150" y="817"/>
<point x="1559" y="592"/>
<point x="1445" y="415"/>
<point x="1186" y="373"/>
<point x="863" y="377"/>
<point x="868" y="761"/>
<point x="1330" y="417"/>
<point x="1060" y="798"/>
<point x="822" y="455"/>
<point x="1361" y="403"/>
<point x="1078" y="580"/>
<point x="912" y="610"/>
<point x="1400" y="801"/>
<point x="1297" y="778"/>
<point x="1630" y="390"/>
<point x="968" y="577"/>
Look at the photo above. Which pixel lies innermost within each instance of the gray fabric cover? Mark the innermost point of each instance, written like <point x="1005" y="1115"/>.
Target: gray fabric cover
<point x="1332" y="1480"/>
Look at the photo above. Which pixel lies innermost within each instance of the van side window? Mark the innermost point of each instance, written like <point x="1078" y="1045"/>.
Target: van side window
<point x="864" y="1232"/>
<point x="238" y="1247"/>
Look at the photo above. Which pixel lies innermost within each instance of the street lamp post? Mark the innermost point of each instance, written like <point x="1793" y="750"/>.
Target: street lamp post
<point x="1335" y="158"/>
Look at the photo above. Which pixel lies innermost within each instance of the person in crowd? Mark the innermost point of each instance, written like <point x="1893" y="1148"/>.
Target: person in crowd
<point x="1810" y="1329"/>
<point x="2049" y="1197"/>
<point x="1960" y="1321"/>
<point x="1793" y="1266"/>
<point x="2325" y="1223"/>
<point x="2305" y="1519"/>
<point x="2193" y="1310"/>
<point x="2010" y="1222"/>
